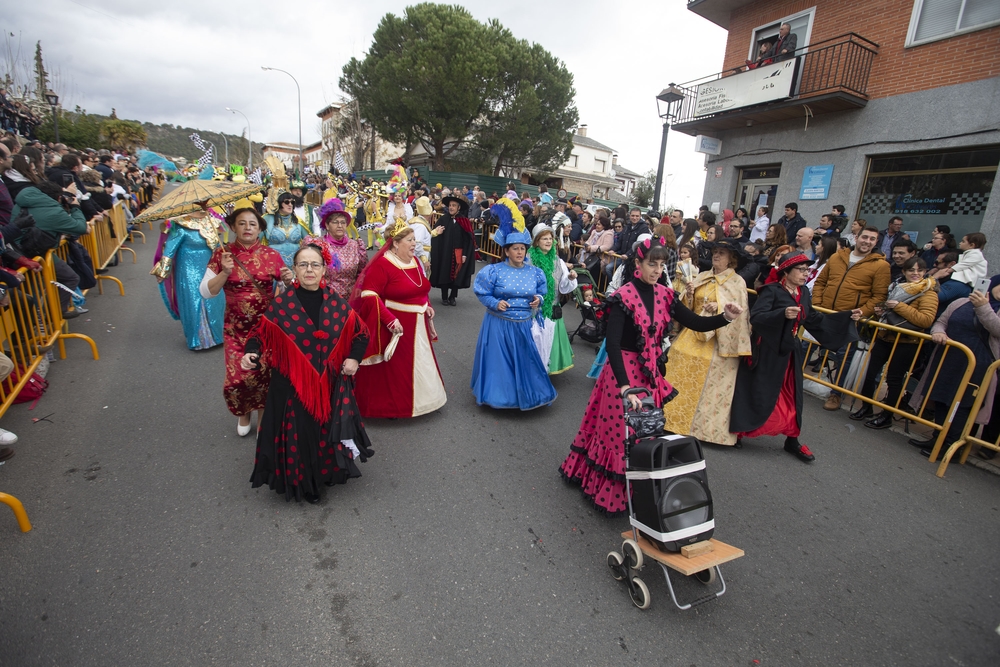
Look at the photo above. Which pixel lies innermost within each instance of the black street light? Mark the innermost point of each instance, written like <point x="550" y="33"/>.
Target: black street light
<point x="667" y="108"/>
<point x="53" y="101"/>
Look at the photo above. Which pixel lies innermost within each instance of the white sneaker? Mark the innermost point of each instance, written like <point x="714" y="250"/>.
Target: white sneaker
<point x="7" y="438"/>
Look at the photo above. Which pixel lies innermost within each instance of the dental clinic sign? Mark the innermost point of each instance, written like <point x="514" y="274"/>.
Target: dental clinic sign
<point x="764" y="84"/>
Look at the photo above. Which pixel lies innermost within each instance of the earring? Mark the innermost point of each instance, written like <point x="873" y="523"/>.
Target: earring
<point x="322" y="283"/>
<point x="295" y="283"/>
<point x="637" y="274"/>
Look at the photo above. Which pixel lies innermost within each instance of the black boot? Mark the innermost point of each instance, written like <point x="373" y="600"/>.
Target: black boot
<point x="884" y="420"/>
<point x="865" y="412"/>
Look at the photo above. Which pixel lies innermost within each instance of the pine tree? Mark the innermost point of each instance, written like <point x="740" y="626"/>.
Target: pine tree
<point x="41" y="76"/>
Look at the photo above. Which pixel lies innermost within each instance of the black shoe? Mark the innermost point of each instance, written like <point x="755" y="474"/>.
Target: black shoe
<point x="801" y="451"/>
<point x="926" y="453"/>
<point x="452" y="301"/>
<point x="70" y="314"/>
<point x="986" y="454"/>
<point x="444" y="302"/>
<point x="922" y="443"/>
<point x="884" y="420"/>
<point x="864" y="412"/>
<point x="310" y="498"/>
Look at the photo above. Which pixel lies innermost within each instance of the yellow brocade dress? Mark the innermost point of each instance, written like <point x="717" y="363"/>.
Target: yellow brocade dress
<point x="703" y="374"/>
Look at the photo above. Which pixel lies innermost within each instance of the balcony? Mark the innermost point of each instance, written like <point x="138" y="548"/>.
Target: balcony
<point x="826" y="76"/>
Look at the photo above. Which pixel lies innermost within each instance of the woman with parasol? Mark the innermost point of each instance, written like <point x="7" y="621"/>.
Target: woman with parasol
<point x="246" y="270"/>
<point x="190" y="235"/>
<point x="311" y="432"/>
<point x="703" y="364"/>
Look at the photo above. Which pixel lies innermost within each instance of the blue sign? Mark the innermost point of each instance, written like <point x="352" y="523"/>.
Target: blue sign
<point x="816" y="182"/>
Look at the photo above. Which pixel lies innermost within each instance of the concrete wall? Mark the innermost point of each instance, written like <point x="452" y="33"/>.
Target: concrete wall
<point x="846" y="139"/>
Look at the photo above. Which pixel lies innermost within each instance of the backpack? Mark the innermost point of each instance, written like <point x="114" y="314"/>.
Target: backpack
<point x="32" y="390"/>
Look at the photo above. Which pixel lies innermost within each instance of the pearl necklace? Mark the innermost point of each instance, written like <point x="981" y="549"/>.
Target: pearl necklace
<point x="420" y="274"/>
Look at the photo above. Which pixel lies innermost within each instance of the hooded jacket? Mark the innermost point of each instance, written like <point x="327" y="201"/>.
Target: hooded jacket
<point x="49" y="215"/>
<point x="841" y="286"/>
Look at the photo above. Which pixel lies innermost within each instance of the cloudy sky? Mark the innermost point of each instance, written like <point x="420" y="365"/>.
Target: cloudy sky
<point x="184" y="62"/>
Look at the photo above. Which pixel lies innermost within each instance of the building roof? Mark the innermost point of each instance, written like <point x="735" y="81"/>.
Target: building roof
<point x="590" y="143"/>
<point x="329" y="109"/>
<point x="625" y="172"/>
<point x="283" y="145"/>
<point x="584" y="176"/>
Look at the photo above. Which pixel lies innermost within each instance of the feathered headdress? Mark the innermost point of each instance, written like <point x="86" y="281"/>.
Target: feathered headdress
<point x="560" y="220"/>
<point x="510" y="229"/>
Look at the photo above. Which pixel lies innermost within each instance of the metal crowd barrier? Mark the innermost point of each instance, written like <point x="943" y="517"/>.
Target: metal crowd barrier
<point x="967" y="440"/>
<point x="854" y="390"/>
<point x="105" y="243"/>
<point x="487" y="246"/>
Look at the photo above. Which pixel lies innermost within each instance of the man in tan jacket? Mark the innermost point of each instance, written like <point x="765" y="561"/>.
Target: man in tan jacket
<point x="852" y="279"/>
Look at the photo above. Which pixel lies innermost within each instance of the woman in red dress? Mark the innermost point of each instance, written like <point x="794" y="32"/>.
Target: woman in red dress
<point x="399" y="375"/>
<point x="246" y="271"/>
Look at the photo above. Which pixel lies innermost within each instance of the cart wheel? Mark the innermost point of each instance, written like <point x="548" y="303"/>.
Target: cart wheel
<point x="706" y="576"/>
<point x="617" y="565"/>
<point x="639" y="593"/>
<point x="632" y="553"/>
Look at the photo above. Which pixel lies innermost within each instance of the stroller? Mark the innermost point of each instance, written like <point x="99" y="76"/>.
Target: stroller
<point x="670" y="508"/>
<point x="593" y="322"/>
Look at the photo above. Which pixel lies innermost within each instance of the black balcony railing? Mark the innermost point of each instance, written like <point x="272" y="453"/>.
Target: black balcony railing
<point x="839" y="64"/>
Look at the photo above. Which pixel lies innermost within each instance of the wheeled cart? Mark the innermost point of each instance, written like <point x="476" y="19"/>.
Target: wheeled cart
<point x="636" y="549"/>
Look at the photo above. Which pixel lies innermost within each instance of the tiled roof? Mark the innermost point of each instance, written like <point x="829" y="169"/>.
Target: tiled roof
<point x="590" y="143"/>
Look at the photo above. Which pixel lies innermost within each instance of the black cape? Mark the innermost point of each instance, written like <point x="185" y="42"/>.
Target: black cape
<point x="759" y="378"/>
<point x="443" y="249"/>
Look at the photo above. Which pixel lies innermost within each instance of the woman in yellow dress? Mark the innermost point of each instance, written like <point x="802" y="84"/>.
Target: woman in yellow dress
<point x="702" y="366"/>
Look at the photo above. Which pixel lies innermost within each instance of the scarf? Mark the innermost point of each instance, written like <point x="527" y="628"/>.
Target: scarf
<point x="342" y="241"/>
<point x="546" y="261"/>
<point x="309" y="353"/>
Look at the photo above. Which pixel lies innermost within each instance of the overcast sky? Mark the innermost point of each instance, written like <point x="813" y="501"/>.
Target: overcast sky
<point x="184" y="62"/>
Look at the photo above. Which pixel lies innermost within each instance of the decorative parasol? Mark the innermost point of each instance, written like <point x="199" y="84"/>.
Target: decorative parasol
<point x="189" y="196"/>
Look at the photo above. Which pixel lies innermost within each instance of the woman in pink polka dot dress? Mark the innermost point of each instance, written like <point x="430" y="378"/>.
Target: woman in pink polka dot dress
<point x="311" y="432"/>
<point x="640" y="314"/>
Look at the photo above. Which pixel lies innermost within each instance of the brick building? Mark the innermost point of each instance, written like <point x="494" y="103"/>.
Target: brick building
<point x="887" y="107"/>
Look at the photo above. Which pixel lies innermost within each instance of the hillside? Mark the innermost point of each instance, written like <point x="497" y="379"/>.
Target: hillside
<point x="174" y="141"/>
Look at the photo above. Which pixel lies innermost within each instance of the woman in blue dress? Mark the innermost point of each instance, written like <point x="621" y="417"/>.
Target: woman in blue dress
<point x="285" y="230"/>
<point x="508" y="371"/>
<point x="187" y="243"/>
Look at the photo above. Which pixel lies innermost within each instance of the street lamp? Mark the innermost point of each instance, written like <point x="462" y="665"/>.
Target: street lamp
<point x="299" y="93"/>
<point x="665" y="107"/>
<point x="53" y="101"/>
<point x="249" y="141"/>
<point x="227" y="149"/>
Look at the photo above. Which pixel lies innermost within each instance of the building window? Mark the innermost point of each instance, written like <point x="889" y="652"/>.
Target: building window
<point x="599" y="165"/>
<point x="573" y="159"/>
<point x="801" y="27"/>
<point x="926" y="189"/>
<point x="939" y="19"/>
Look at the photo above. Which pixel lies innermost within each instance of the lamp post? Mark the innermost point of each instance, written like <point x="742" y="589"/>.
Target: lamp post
<point x="227" y="149"/>
<point x="299" y="94"/>
<point x="665" y="107"/>
<point x="249" y="141"/>
<point x="53" y="101"/>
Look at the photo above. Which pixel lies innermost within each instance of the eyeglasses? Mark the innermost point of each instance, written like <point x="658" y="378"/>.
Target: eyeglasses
<point x="309" y="265"/>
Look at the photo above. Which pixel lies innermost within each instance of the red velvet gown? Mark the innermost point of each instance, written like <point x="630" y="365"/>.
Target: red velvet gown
<point x="246" y="300"/>
<point x="409" y="383"/>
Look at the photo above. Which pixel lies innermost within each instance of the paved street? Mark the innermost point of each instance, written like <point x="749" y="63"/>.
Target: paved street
<point x="460" y="545"/>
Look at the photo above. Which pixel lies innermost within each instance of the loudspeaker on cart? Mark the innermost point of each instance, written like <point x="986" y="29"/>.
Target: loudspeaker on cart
<point x="670" y="509"/>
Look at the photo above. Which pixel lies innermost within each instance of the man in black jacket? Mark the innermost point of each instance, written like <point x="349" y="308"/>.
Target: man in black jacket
<point x="629" y="235"/>
<point x="783" y="47"/>
<point x="792" y="222"/>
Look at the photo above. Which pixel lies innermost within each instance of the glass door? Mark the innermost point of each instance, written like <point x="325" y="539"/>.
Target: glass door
<point x="757" y="186"/>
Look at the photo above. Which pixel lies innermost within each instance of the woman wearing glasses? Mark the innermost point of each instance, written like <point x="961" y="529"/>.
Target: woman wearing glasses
<point x="311" y="433"/>
<point x="284" y="230"/>
<point x="246" y="270"/>
<point x="399" y="375"/>
<point x="348" y="256"/>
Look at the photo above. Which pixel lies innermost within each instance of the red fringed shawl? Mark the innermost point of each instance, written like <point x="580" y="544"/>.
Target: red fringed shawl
<point x="309" y="354"/>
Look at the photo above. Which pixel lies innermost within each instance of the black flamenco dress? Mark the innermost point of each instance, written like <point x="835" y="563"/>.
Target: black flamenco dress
<point x="310" y="411"/>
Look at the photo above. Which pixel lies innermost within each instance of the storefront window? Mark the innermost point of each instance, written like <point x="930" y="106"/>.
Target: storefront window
<point x="927" y="189"/>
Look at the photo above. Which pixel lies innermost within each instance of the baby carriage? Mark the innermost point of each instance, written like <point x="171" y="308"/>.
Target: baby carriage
<point x="592" y="323"/>
<point x="670" y="509"/>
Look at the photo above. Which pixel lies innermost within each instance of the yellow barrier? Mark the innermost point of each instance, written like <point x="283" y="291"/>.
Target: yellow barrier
<point x="18" y="508"/>
<point x="105" y="242"/>
<point x="951" y="347"/>
<point x="487" y="246"/>
<point x="968" y="440"/>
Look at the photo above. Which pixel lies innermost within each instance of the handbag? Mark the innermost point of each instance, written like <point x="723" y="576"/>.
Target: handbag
<point x="648" y="422"/>
<point x="556" y="311"/>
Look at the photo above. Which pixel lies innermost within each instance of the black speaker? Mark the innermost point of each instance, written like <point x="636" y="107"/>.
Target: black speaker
<point x="671" y="502"/>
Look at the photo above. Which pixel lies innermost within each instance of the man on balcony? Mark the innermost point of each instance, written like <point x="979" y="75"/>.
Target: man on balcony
<point x="784" y="46"/>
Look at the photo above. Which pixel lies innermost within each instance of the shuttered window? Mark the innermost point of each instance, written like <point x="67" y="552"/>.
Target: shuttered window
<point x="938" y="19"/>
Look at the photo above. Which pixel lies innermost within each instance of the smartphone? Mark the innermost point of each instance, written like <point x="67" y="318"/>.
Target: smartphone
<point x="983" y="285"/>
<point x="67" y="179"/>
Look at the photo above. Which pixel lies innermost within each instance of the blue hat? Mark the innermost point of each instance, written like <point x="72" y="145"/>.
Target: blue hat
<point x="510" y="229"/>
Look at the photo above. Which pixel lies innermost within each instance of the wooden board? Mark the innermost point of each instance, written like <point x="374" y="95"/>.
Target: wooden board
<point x="721" y="553"/>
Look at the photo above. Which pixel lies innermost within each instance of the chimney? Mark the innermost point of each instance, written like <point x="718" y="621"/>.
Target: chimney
<point x="614" y="160"/>
<point x="582" y="130"/>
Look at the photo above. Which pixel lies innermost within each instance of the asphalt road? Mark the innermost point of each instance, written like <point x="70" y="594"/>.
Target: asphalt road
<point x="460" y="545"/>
